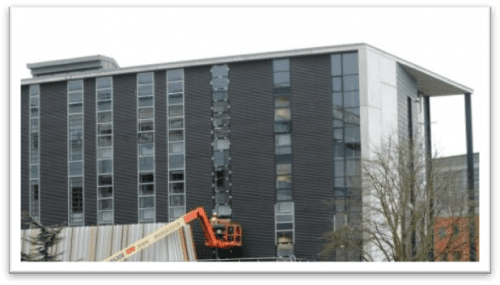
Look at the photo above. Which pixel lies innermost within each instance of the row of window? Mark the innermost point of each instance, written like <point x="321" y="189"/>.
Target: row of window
<point x="34" y="152"/>
<point x="105" y="150"/>
<point x="221" y="143"/>
<point x="76" y="181"/>
<point x="284" y="209"/>
<point x="176" y="144"/>
<point x="146" y="147"/>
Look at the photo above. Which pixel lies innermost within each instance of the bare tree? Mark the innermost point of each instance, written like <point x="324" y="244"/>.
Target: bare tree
<point x="402" y="196"/>
<point x="42" y="242"/>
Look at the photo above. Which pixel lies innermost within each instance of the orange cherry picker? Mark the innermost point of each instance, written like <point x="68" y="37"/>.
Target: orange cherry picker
<point x="219" y="233"/>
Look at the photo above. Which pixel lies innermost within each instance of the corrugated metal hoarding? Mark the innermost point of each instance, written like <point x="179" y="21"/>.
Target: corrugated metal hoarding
<point x="97" y="243"/>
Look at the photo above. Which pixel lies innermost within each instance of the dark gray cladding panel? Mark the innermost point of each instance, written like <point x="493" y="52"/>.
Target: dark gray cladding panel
<point x="25" y="175"/>
<point x="252" y="155"/>
<point x="161" y="147"/>
<point x="125" y="149"/>
<point x="53" y="154"/>
<point x="90" y="152"/>
<point x="197" y="105"/>
<point x="312" y="152"/>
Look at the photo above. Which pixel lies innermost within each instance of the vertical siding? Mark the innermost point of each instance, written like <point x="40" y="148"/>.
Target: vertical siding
<point x="161" y="147"/>
<point x="89" y="135"/>
<point x="125" y="148"/>
<point x="312" y="152"/>
<point x="252" y="155"/>
<point x="53" y="154"/>
<point x="198" y="138"/>
<point x="25" y="151"/>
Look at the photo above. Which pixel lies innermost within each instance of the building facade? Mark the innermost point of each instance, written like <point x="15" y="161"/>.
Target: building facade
<point x="263" y="139"/>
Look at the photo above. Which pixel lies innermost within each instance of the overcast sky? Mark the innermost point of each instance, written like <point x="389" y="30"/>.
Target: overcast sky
<point x="452" y="42"/>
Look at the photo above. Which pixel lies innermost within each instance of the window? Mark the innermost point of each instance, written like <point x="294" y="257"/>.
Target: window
<point x="146" y="146"/>
<point x="76" y="152"/>
<point x="176" y="142"/>
<point x="442" y="233"/>
<point x="221" y="141"/>
<point x="34" y="129"/>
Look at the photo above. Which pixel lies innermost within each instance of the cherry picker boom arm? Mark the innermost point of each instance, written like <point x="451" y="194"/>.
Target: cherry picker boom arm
<point x="199" y="213"/>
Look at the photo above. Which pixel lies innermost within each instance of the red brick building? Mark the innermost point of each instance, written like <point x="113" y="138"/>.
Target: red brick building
<point x="451" y="238"/>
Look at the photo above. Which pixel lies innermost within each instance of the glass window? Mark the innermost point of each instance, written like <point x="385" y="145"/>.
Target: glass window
<point x="281" y="65"/>
<point x="147" y="202"/>
<point x="75" y="122"/>
<point x="281" y="102"/>
<point x="104" y="94"/>
<point x="146" y="101"/>
<point x="104" y="117"/>
<point x="176" y="110"/>
<point x="339" y="168"/>
<point x="145" y="78"/>
<point x="283" y="168"/>
<point x="75" y="97"/>
<point x="177" y="175"/>
<point x="146" y="137"/>
<point x="175" y="98"/>
<point x="105" y="166"/>
<point x="175" y="87"/>
<point x="442" y="232"/>
<point x="284" y="226"/>
<point x="105" y="192"/>
<point x="176" y="123"/>
<point x="147" y="214"/>
<point x="105" y="141"/>
<point x="282" y="79"/>
<point x="283" y="195"/>
<point x="104" y="152"/>
<point x="177" y="135"/>
<point x="351" y="82"/>
<point x="147" y="189"/>
<point x="220" y="83"/>
<point x="34" y="171"/>
<point x="336" y="84"/>
<point x="220" y="106"/>
<point x="146" y="178"/>
<point x="146" y="149"/>
<point x="220" y="71"/>
<point x="282" y="127"/>
<point x="177" y="147"/>
<point x="222" y="198"/>
<point x="177" y="200"/>
<point x="351" y="99"/>
<point x="219" y="96"/>
<point x="337" y="135"/>
<point x="221" y="158"/>
<point x="221" y="144"/>
<point x="176" y="161"/>
<point x="104" y="82"/>
<point x="34" y="90"/>
<point x="221" y="132"/>
<point x="282" y="114"/>
<point x="352" y="134"/>
<point x="34" y="112"/>
<point x="176" y="188"/>
<point x="336" y="64"/>
<point x="146" y="163"/>
<point x="283" y="181"/>
<point x="350" y="63"/>
<point x="104" y="129"/>
<point x="175" y="75"/>
<point x="176" y="213"/>
<point x="34" y="101"/>
<point x="75" y="85"/>
<point x="105" y="180"/>
<point x="75" y="168"/>
<point x="104" y="106"/>
<point x="352" y="167"/>
<point x="283" y="139"/>
<point x="75" y="108"/>
<point x="34" y="125"/>
<point x="221" y="119"/>
<point x="145" y="126"/>
<point x="145" y="113"/>
<point x="106" y="204"/>
<point x="106" y="217"/>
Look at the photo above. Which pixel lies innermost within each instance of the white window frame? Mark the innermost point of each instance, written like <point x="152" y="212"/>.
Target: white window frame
<point x="34" y="213"/>
<point x="112" y="147"/>
<point x="139" y="156"/>
<point x="183" y="142"/>
<point x="69" y="151"/>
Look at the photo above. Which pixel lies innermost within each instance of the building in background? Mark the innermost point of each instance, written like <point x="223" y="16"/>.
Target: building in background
<point x="452" y="225"/>
<point x="263" y="139"/>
